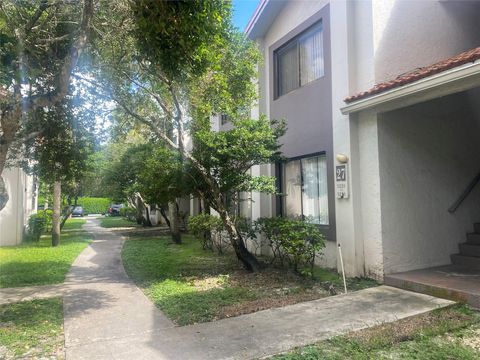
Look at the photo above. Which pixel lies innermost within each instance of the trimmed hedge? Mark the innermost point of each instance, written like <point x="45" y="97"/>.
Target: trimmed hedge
<point x="93" y="205"/>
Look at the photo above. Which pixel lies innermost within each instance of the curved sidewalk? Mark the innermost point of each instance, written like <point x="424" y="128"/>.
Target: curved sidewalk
<point x="108" y="317"/>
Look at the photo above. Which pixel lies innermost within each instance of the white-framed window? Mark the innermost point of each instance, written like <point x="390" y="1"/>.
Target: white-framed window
<point x="299" y="61"/>
<point x="305" y="190"/>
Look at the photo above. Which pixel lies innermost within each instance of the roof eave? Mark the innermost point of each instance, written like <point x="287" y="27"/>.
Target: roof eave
<point x="448" y="82"/>
<point x="263" y="17"/>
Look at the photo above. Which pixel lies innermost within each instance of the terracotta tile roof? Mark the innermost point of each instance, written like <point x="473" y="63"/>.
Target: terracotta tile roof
<point x="420" y="73"/>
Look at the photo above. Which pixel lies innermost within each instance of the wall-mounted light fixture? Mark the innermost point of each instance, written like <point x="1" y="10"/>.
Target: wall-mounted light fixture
<point x="342" y="158"/>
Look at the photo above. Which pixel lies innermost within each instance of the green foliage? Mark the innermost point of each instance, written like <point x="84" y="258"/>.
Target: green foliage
<point x="40" y="263"/>
<point x="36" y="227"/>
<point x="32" y="329"/>
<point x="293" y="242"/>
<point x="177" y="35"/>
<point x="231" y="154"/>
<point x="93" y="205"/>
<point x="162" y="177"/>
<point x="129" y="212"/>
<point x="122" y="175"/>
<point x="39" y="223"/>
<point x="204" y="227"/>
<point x="210" y="231"/>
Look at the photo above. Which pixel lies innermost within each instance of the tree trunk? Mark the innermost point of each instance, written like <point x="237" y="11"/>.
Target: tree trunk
<point x="68" y="212"/>
<point x="3" y="194"/>
<point x="174" y="223"/>
<point x="205" y="208"/>
<point x="246" y="257"/>
<point x="146" y="220"/>
<point x="57" y="192"/>
<point x="164" y="215"/>
<point x="139" y="209"/>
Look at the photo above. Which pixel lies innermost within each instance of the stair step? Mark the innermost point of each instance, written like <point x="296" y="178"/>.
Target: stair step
<point x="469" y="250"/>
<point x="466" y="261"/>
<point x="473" y="239"/>
<point x="476" y="227"/>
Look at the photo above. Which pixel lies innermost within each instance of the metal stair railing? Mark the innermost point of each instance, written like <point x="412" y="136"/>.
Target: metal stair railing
<point x="464" y="194"/>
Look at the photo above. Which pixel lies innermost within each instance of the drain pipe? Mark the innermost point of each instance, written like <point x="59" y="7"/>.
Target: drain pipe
<point x="343" y="269"/>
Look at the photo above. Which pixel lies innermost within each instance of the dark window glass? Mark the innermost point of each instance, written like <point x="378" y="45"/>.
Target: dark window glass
<point x="299" y="61"/>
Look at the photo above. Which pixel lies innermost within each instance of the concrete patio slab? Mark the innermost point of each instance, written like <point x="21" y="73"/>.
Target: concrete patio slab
<point x="450" y="282"/>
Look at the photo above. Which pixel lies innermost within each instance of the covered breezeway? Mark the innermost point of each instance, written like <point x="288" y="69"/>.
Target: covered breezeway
<point x="416" y="153"/>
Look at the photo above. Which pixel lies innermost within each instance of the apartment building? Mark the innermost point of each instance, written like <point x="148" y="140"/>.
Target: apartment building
<point x="381" y="101"/>
<point x="22" y="203"/>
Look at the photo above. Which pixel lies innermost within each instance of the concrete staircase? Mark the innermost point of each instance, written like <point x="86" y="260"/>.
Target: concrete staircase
<point x="469" y="255"/>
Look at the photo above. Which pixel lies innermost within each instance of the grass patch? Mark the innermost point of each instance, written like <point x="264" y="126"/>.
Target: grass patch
<point x="116" y="222"/>
<point x="39" y="263"/>
<point x="192" y="285"/>
<point x="74" y="224"/>
<point x="440" y="334"/>
<point x="32" y="329"/>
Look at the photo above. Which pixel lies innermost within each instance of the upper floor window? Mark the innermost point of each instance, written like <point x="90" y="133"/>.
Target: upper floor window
<point x="299" y="61"/>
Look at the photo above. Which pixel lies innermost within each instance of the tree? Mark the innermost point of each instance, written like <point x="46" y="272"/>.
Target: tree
<point x="59" y="155"/>
<point x="162" y="180"/>
<point x="185" y="62"/>
<point x="41" y="43"/>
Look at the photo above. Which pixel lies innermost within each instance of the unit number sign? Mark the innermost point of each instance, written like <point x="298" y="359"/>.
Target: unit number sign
<point x="341" y="183"/>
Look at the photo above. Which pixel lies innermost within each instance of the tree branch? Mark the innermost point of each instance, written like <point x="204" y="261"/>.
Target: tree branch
<point x="33" y="20"/>
<point x="63" y="80"/>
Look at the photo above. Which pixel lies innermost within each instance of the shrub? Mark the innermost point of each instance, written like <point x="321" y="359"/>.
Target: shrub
<point x="38" y="224"/>
<point x="207" y="229"/>
<point x="46" y="215"/>
<point x="35" y="229"/>
<point x="92" y="205"/>
<point x="129" y="212"/>
<point x="295" y="243"/>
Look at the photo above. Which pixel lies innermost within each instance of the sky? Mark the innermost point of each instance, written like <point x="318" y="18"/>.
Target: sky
<point x="242" y="11"/>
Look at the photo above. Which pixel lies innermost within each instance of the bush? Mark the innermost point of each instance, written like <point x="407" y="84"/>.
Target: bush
<point x="294" y="242"/>
<point x="207" y="229"/>
<point x="93" y="205"/>
<point x="38" y="224"/>
<point x="35" y="229"/>
<point x="46" y="215"/>
<point x="129" y="212"/>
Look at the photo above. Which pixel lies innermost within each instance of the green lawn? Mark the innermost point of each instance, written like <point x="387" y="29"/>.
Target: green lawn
<point x="40" y="263"/>
<point x="446" y="334"/>
<point x="117" y="221"/>
<point x="192" y="285"/>
<point x="32" y="330"/>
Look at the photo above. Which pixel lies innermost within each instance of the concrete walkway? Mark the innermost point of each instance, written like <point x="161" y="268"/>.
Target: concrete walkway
<point x="108" y="317"/>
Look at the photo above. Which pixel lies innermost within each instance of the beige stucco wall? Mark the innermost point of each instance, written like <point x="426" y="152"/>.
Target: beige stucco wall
<point x="21" y="205"/>
<point x="428" y="154"/>
<point x="410" y="33"/>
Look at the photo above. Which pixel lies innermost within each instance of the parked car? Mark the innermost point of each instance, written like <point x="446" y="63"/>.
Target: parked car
<point x="77" y="211"/>
<point x="114" y="210"/>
